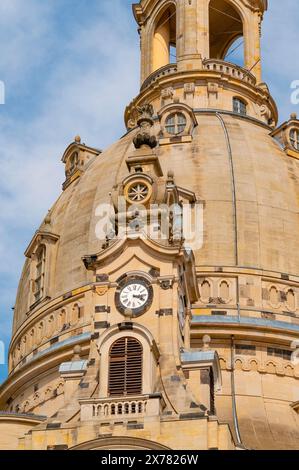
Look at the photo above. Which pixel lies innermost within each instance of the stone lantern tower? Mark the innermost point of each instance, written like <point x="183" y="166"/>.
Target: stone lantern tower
<point x="158" y="307"/>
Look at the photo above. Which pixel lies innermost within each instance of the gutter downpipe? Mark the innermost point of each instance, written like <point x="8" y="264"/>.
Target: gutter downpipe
<point x="233" y="390"/>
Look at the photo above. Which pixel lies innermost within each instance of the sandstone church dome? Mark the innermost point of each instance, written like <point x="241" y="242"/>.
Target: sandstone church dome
<point x="202" y="132"/>
<point x="246" y="180"/>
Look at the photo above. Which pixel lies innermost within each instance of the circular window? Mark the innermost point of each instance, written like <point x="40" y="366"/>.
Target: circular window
<point x="138" y="191"/>
<point x="176" y="123"/>
<point x="294" y="138"/>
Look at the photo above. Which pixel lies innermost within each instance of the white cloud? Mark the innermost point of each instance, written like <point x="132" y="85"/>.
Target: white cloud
<point x="84" y="90"/>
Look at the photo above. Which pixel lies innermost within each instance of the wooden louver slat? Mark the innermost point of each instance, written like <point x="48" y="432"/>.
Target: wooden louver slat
<point x="125" y="368"/>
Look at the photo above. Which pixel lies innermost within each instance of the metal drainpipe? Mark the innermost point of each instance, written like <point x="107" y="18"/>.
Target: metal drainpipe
<point x="234" y="196"/>
<point x="233" y="390"/>
<point x="232" y="169"/>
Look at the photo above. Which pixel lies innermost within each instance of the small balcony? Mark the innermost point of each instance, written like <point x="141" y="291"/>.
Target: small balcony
<point x="111" y="409"/>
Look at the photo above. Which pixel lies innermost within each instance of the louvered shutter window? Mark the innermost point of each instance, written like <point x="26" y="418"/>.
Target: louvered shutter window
<point x="125" y="368"/>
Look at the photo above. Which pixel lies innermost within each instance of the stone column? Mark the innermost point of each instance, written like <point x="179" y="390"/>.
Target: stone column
<point x="252" y="39"/>
<point x="192" y="33"/>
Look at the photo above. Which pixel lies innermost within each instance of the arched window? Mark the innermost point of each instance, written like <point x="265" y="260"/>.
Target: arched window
<point x="39" y="283"/>
<point x="239" y="106"/>
<point x="294" y="138"/>
<point x="125" y="368"/>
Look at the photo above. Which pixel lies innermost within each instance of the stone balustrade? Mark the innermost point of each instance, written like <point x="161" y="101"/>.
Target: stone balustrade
<point x="163" y="71"/>
<point x="226" y="68"/>
<point x="212" y="65"/>
<point x="120" y="408"/>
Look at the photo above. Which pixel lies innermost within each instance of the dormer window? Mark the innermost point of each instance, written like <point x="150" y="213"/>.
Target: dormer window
<point x="294" y="138"/>
<point x="239" y="107"/>
<point x="287" y="135"/>
<point x="176" y="123"/>
<point x="39" y="282"/>
<point x="76" y="158"/>
<point x="41" y="252"/>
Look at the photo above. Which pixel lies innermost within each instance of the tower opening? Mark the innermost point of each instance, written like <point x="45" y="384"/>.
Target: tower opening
<point x="125" y="368"/>
<point x="164" y="39"/>
<point x="226" y="32"/>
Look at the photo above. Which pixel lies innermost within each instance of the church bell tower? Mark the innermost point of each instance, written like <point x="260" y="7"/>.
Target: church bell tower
<point x="188" y="32"/>
<point x="188" y="47"/>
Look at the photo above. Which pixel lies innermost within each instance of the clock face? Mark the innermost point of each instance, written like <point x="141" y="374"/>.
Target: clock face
<point x="134" y="296"/>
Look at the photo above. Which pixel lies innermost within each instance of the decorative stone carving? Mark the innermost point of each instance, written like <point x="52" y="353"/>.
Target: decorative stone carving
<point x="166" y="284"/>
<point x="213" y="88"/>
<point x="189" y="88"/>
<point x="101" y="290"/>
<point x="145" y="123"/>
<point x="167" y="94"/>
<point x="262" y="367"/>
<point x="216" y="301"/>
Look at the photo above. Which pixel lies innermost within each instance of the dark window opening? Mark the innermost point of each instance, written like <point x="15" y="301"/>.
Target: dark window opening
<point x="281" y="353"/>
<point x="125" y="368"/>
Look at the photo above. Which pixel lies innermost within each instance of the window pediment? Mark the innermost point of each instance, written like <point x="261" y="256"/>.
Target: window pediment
<point x="40" y="238"/>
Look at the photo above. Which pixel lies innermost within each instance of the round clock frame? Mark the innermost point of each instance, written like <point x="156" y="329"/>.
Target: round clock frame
<point x="126" y="282"/>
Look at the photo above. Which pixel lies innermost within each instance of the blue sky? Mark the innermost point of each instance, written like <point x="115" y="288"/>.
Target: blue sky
<point x="69" y="67"/>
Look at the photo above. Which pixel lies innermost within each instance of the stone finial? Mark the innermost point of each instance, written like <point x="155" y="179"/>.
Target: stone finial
<point x="293" y="116"/>
<point x="78" y="139"/>
<point x="206" y="341"/>
<point x="48" y="218"/>
<point x="47" y="223"/>
<point x="145" y="123"/>
<point x="77" y="353"/>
